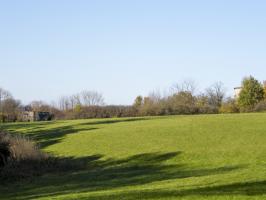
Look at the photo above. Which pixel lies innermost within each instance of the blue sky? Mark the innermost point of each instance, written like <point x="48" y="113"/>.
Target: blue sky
<point x="126" y="48"/>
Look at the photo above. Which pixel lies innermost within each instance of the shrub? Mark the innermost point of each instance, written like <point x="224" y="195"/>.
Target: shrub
<point x="4" y="153"/>
<point x="260" y="107"/>
<point x="230" y="106"/>
<point x="21" y="158"/>
<point x="183" y="103"/>
<point x="208" y="109"/>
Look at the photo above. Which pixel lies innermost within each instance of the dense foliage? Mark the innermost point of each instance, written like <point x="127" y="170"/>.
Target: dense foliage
<point x="251" y="94"/>
<point x="21" y="158"/>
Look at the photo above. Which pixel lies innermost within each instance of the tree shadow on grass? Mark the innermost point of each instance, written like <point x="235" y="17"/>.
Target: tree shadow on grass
<point x="26" y="125"/>
<point x="45" y="136"/>
<point x="248" y="189"/>
<point x="53" y="136"/>
<point x="38" y="125"/>
<point x="114" y="121"/>
<point x="48" y="137"/>
<point x="100" y="175"/>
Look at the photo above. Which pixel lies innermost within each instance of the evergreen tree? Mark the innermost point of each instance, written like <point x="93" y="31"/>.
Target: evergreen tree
<point x="252" y="93"/>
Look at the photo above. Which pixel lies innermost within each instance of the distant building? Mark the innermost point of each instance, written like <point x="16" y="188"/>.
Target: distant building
<point x="31" y="116"/>
<point x="237" y="91"/>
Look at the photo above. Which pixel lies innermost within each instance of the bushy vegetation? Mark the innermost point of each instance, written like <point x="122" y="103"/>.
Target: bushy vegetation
<point x="20" y="158"/>
<point x="229" y="106"/>
<point x="182" y="99"/>
<point x="251" y="94"/>
<point x="260" y="107"/>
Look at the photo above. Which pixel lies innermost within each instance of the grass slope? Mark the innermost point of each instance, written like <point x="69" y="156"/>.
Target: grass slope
<point x="176" y="157"/>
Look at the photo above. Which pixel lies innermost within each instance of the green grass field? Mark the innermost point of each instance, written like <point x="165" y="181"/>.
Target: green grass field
<point x="177" y="157"/>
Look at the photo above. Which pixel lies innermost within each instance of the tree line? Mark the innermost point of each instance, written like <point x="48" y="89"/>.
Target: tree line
<point x="183" y="98"/>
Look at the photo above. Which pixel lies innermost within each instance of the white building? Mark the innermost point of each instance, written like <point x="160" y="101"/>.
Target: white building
<point x="237" y="91"/>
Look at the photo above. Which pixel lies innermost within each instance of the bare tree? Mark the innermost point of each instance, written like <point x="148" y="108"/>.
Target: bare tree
<point x="4" y="95"/>
<point x="64" y="103"/>
<point x="10" y="109"/>
<point x="86" y="98"/>
<point x="74" y="101"/>
<point x="155" y="96"/>
<point x="92" y="98"/>
<point x="185" y="86"/>
<point x="37" y="105"/>
<point x="216" y="94"/>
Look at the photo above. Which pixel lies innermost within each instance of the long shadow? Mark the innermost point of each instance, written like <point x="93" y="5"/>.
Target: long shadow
<point x="248" y="189"/>
<point x="102" y="174"/>
<point x="50" y="136"/>
<point x="21" y="125"/>
<point x="55" y="135"/>
<point x="113" y="121"/>
<point x="47" y="137"/>
<point x="36" y="125"/>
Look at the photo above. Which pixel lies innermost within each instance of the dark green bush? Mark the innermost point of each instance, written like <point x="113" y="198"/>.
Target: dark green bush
<point x="4" y="153"/>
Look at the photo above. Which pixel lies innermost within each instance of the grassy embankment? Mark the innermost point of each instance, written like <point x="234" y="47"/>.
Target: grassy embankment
<point x="177" y="157"/>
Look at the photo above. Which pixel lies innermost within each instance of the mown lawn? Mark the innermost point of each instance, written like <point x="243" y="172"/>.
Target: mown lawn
<point x="177" y="157"/>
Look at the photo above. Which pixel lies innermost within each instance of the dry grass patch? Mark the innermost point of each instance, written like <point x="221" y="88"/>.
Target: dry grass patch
<point x="21" y="158"/>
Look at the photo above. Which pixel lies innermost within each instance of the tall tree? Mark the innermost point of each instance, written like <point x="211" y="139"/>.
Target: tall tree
<point x="10" y="109"/>
<point x="138" y="101"/>
<point x="4" y="95"/>
<point x="185" y="86"/>
<point x="252" y="93"/>
<point x="92" y="98"/>
<point x="216" y="94"/>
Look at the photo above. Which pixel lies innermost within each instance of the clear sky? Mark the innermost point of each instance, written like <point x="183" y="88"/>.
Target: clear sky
<point x="50" y="48"/>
